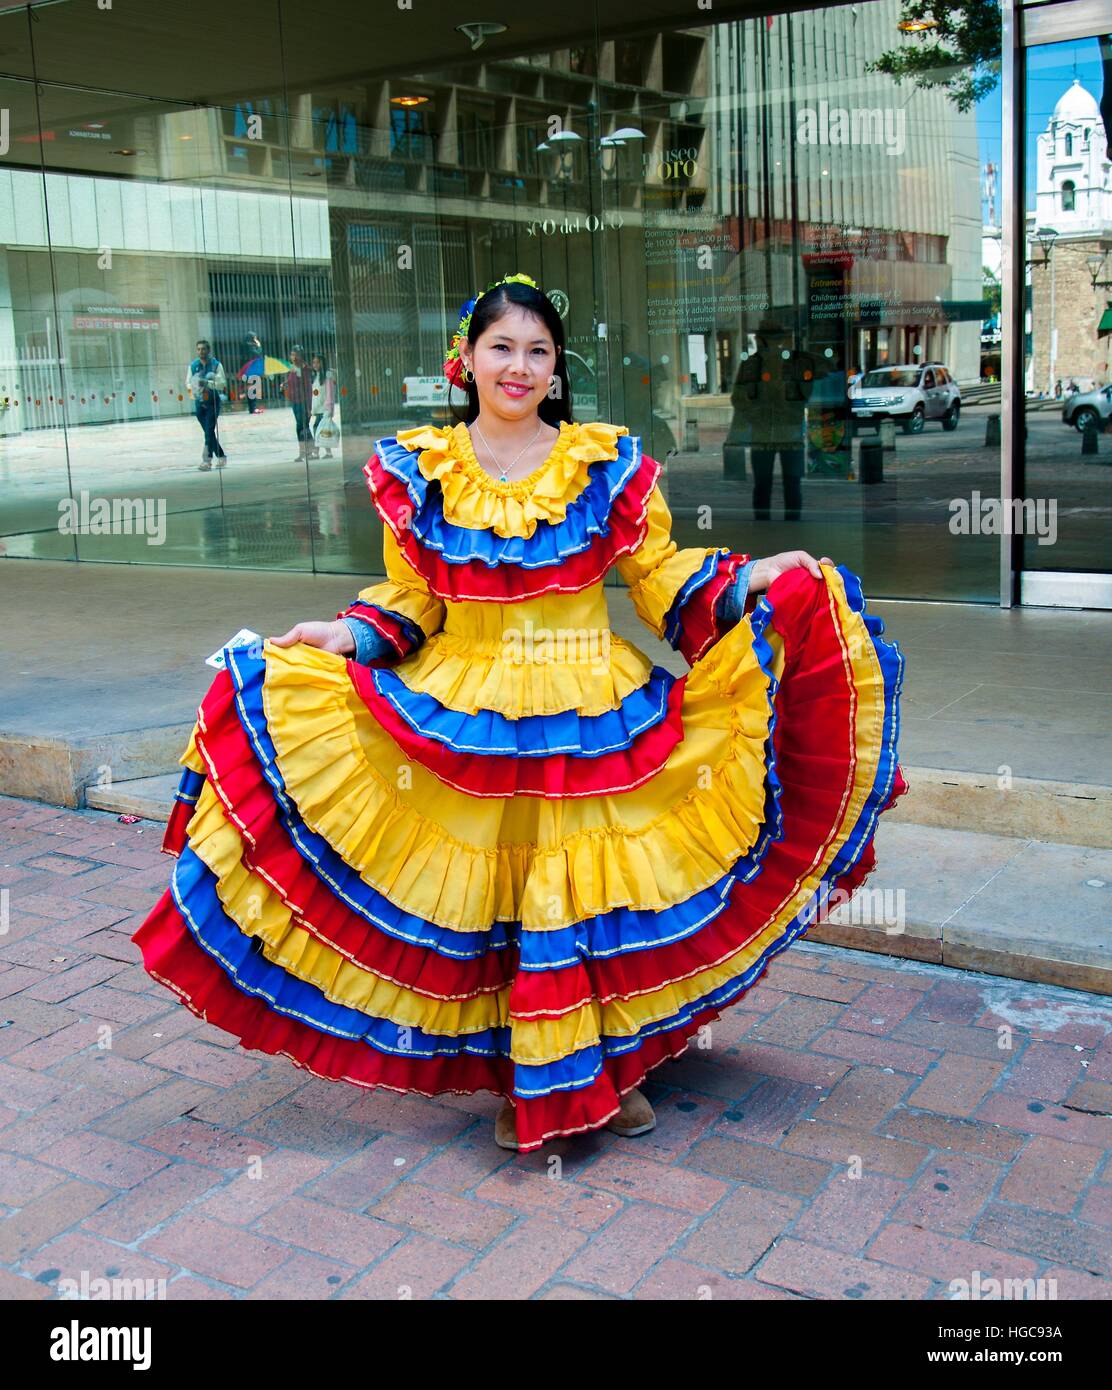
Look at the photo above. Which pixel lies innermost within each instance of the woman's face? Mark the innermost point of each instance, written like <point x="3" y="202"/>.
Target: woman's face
<point x="513" y="360"/>
<point x="295" y="358"/>
<point x="317" y="364"/>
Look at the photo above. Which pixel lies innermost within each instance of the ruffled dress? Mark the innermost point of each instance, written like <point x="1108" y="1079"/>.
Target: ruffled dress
<point x="516" y="856"/>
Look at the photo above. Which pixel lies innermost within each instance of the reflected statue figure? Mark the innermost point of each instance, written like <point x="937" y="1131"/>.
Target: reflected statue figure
<point x="769" y="397"/>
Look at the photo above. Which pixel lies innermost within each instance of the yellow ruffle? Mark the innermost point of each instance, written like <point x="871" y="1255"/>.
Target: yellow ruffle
<point x="450" y="669"/>
<point x="464" y="862"/>
<point x="191" y="758"/>
<point x="259" y="911"/>
<point x="474" y="500"/>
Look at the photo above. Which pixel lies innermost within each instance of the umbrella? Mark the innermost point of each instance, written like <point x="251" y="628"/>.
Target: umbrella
<point x="264" y="366"/>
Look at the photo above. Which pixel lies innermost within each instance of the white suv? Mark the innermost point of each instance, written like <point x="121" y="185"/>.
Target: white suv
<point x="910" y="394"/>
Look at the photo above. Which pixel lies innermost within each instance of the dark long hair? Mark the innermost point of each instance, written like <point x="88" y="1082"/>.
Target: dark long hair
<point x="489" y="310"/>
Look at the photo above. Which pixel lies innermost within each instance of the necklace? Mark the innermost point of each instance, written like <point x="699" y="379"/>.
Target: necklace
<point x="503" y="471"/>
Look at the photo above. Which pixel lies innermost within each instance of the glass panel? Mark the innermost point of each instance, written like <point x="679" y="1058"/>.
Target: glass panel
<point x="1068" y="516"/>
<point x="728" y="249"/>
<point x="776" y="244"/>
<point x="34" y="472"/>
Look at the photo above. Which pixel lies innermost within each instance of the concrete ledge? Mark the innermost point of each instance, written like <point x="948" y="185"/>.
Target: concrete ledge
<point x="1028" y="909"/>
<point x="149" y="797"/>
<point x="58" y="770"/>
<point x="1074" y="813"/>
<point x="987" y="952"/>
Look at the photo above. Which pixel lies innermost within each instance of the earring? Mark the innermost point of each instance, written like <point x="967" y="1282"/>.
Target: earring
<point x="468" y="375"/>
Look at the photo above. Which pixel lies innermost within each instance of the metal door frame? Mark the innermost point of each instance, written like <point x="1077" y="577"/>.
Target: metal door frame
<point x="1027" y="26"/>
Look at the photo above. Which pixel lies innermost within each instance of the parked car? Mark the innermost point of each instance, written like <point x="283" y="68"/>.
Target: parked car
<point x="911" y="394"/>
<point x="1085" y="409"/>
<point x="584" y="388"/>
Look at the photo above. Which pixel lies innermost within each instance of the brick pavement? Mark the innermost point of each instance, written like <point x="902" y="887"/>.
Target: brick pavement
<point x="857" y="1128"/>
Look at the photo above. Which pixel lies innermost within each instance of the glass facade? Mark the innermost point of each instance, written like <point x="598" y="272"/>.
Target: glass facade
<point x="768" y="258"/>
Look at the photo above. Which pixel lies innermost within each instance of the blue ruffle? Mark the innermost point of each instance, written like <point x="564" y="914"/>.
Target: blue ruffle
<point x="412" y="633"/>
<point x="673" y="619"/>
<point x="532" y="736"/>
<point x="551" y="543"/>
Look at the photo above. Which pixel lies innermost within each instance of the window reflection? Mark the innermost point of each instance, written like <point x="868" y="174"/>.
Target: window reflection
<point x="744" y="230"/>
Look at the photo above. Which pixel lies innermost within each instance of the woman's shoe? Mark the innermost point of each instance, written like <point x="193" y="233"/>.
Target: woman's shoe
<point x="505" y="1127"/>
<point x="635" y="1117"/>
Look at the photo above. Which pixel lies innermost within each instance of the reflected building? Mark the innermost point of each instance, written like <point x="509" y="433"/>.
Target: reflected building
<point x="673" y="186"/>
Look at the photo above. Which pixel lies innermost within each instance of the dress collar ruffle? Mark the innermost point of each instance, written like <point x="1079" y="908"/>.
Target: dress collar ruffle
<point x="472" y="499"/>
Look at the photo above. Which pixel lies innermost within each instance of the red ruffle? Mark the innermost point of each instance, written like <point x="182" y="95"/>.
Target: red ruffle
<point x="558" y="776"/>
<point x="507" y="583"/>
<point x="174" y="838"/>
<point x="699" y="625"/>
<point x="385" y="625"/>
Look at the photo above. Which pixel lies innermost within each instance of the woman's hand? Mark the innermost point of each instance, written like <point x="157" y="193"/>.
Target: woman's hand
<point x="772" y="566"/>
<point x="329" y="637"/>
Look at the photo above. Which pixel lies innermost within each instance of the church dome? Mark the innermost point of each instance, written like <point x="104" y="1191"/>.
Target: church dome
<point x="1077" y="105"/>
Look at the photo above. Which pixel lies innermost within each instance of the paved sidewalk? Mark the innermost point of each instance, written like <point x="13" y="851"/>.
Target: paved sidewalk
<point x="137" y="1142"/>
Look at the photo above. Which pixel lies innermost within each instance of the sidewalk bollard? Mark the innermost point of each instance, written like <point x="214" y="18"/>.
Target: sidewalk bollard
<point x="992" y="430"/>
<point x="733" y="461"/>
<point x="1089" y="437"/>
<point x="872" y="462"/>
<point x="691" y="436"/>
<point x="887" y="434"/>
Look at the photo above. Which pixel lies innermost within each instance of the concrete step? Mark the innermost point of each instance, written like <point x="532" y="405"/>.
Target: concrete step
<point x="1071" y="813"/>
<point x="59" y="770"/>
<point x="1007" y="905"/>
<point x="149" y="797"/>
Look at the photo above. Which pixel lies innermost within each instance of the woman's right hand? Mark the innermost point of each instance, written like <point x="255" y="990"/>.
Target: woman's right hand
<point x="329" y="637"/>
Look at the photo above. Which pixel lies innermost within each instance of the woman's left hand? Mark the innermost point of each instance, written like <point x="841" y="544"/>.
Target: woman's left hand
<point x="772" y="566"/>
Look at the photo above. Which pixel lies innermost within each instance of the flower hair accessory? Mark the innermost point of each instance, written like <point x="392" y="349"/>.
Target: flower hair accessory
<point x="453" y="364"/>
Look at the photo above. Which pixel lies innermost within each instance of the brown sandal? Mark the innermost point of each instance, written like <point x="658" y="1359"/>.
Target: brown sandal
<point x="505" y="1127"/>
<point x="635" y="1117"/>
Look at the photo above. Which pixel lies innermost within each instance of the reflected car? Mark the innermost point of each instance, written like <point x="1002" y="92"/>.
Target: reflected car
<point x="584" y="388"/>
<point x="910" y="394"/>
<point x="1088" y="409"/>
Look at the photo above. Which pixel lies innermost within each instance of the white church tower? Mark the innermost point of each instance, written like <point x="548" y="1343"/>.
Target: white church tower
<point x="1073" y="201"/>
<point x="1073" y="191"/>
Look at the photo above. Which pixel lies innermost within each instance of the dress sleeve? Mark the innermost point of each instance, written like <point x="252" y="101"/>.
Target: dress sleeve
<point x="687" y="597"/>
<point x="400" y="608"/>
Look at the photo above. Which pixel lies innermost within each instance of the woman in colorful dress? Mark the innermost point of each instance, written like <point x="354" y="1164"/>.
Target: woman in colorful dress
<point x="466" y="837"/>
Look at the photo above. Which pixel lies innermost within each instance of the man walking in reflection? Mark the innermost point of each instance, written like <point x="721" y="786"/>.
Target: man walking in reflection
<point x="770" y="395"/>
<point x="205" y="382"/>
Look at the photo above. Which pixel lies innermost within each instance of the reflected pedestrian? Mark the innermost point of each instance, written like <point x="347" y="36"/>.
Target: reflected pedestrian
<point x="205" y="382"/>
<point x="254" y="382"/>
<point x="324" y="404"/>
<point x="299" y="393"/>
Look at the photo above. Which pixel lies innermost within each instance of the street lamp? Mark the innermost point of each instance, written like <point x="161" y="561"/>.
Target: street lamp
<point x="1096" y="265"/>
<point x="605" y="153"/>
<point x="1046" y="237"/>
